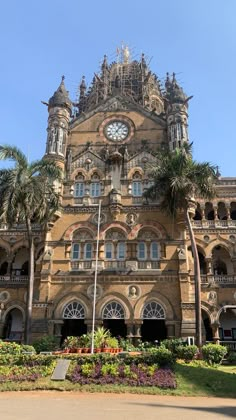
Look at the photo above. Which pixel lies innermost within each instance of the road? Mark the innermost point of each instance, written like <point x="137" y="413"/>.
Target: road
<point x="60" y="406"/>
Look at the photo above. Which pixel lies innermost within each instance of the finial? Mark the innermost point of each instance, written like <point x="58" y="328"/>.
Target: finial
<point x="126" y="54"/>
<point x="104" y="64"/>
<point x="173" y="77"/>
<point x="62" y="78"/>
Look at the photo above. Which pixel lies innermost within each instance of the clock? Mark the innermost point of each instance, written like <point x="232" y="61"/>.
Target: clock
<point x="116" y="131"/>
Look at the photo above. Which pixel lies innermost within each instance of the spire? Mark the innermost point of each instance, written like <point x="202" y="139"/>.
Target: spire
<point x="104" y="66"/>
<point x="174" y="92"/>
<point x="60" y="97"/>
<point x="82" y="87"/>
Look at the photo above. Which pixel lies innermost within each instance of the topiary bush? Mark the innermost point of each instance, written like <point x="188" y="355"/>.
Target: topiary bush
<point x="187" y="353"/>
<point x="46" y="343"/>
<point x="231" y="358"/>
<point x="214" y="354"/>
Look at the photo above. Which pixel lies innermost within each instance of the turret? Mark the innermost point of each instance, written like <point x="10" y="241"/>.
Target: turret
<point x="59" y="109"/>
<point x="176" y="112"/>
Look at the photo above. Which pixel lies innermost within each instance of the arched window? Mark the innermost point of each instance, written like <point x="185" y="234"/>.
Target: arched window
<point x="154" y="251"/>
<point x="113" y="310"/>
<point x="153" y="310"/>
<point x="95" y="186"/>
<point x="120" y="251"/>
<point x="88" y="251"/>
<point x="137" y="187"/>
<point x="109" y="250"/>
<point x="142" y="251"/>
<point x="74" y="310"/>
<point x="79" y="186"/>
<point x="75" y="252"/>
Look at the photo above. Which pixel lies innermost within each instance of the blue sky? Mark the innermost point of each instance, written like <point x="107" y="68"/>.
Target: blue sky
<point x="40" y="41"/>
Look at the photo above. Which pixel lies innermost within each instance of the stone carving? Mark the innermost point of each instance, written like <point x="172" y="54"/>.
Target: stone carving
<point x="90" y="292"/>
<point x="131" y="219"/>
<point x="133" y="292"/>
<point x="212" y="297"/>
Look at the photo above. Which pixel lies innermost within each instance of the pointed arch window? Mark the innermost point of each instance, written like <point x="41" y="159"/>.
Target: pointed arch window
<point x="74" y="310"/>
<point x="95" y="186"/>
<point x="137" y="185"/>
<point x="113" y="310"/>
<point x="153" y="310"/>
<point x="79" y="189"/>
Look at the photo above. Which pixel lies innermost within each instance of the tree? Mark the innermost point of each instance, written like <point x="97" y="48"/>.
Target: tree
<point x="28" y="195"/>
<point x="177" y="180"/>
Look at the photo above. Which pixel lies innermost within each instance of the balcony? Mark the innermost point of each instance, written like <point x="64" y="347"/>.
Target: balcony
<point x="114" y="264"/>
<point x="81" y="265"/>
<point x="216" y="279"/>
<point x="13" y="280"/>
<point x="208" y="224"/>
<point x="148" y="265"/>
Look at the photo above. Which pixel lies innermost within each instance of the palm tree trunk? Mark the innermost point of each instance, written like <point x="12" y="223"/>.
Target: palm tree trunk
<point x="197" y="281"/>
<point x="28" y="318"/>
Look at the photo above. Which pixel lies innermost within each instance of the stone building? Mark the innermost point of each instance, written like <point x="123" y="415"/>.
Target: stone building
<point x="145" y="289"/>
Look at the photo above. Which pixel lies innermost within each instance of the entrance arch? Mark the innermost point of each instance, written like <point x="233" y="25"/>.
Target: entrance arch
<point x="13" y="326"/>
<point x="73" y="317"/>
<point x="113" y="316"/>
<point x="153" y="327"/>
<point x="207" y="326"/>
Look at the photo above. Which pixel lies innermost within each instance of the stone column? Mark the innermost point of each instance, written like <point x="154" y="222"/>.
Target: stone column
<point x="130" y="331"/>
<point x="215" y="332"/>
<point x="137" y="331"/>
<point x="170" y="325"/>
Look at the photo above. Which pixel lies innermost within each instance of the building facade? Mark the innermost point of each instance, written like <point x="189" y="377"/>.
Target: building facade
<point x="145" y="285"/>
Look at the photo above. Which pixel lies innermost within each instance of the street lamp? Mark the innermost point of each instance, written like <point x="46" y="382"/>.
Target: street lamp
<point x="95" y="276"/>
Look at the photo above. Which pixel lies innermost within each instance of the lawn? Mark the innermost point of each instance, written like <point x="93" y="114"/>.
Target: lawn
<point x="193" y="379"/>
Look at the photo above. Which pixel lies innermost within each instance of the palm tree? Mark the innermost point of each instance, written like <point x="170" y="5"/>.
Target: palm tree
<point x="177" y="179"/>
<point x="28" y="195"/>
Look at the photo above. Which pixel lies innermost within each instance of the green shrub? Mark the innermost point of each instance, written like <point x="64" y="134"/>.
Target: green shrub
<point x="46" y="343"/>
<point x="187" y="353"/>
<point x="213" y="354"/>
<point x="26" y="348"/>
<point x="9" y="347"/>
<point x="232" y="357"/>
<point x="173" y="344"/>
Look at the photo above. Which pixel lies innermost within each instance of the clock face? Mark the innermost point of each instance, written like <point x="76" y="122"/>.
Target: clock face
<point x="116" y="131"/>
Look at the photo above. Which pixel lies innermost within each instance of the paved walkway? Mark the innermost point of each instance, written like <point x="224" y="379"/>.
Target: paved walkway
<point x="60" y="406"/>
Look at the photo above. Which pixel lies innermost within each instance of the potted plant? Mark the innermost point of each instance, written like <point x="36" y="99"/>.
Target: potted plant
<point x="100" y="339"/>
<point x="85" y="342"/>
<point x="71" y="343"/>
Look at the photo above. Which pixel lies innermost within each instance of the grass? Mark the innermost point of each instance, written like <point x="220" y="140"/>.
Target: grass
<point x="192" y="380"/>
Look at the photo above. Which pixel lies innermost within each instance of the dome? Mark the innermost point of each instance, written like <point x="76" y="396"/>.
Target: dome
<point x="60" y="97"/>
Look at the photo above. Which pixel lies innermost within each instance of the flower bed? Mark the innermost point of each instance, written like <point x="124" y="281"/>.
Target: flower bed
<point x="122" y="374"/>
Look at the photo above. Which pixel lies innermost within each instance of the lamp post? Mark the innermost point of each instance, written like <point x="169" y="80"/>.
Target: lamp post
<point x="95" y="276"/>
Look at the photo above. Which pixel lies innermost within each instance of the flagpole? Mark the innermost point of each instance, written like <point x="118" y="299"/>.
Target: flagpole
<point x="95" y="277"/>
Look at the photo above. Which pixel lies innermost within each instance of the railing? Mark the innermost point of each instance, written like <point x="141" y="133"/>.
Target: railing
<point x="148" y="265"/>
<point x="114" y="264"/>
<point x="213" y="223"/>
<point x="223" y="279"/>
<point x="81" y="265"/>
<point x="231" y="345"/>
<point x="20" y="226"/>
<point x="14" y="280"/>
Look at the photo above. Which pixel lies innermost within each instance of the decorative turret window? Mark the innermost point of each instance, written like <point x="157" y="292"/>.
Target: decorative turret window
<point x="79" y="186"/>
<point x="137" y="185"/>
<point x="95" y="186"/>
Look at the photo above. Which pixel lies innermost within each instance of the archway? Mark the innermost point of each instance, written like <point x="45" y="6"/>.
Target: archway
<point x="207" y="326"/>
<point x="13" y="326"/>
<point x="227" y="320"/>
<point x="114" y="319"/>
<point x="153" y="327"/>
<point x="73" y="317"/>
